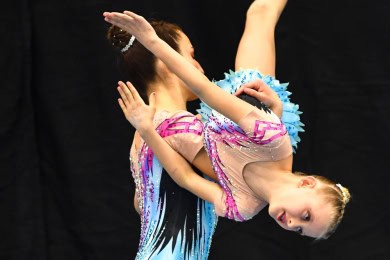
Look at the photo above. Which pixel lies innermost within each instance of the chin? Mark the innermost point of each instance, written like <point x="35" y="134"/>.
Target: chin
<point x="272" y="212"/>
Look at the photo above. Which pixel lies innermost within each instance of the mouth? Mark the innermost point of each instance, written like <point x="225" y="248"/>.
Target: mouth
<point x="282" y="217"/>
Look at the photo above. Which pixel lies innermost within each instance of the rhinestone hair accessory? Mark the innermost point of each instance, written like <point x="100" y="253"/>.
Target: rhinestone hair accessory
<point x="341" y="189"/>
<point x="132" y="38"/>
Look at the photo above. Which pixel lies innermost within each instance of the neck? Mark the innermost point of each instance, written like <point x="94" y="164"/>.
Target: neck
<point x="268" y="182"/>
<point x="170" y="99"/>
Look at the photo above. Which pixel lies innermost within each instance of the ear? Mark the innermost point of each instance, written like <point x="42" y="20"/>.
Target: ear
<point x="307" y="182"/>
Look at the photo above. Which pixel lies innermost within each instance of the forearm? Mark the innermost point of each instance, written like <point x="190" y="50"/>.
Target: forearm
<point x="277" y="109"/>
<point x="176" y="166"/>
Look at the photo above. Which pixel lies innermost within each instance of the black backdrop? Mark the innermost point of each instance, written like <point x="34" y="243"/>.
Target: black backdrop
<point x="65" y="186"/>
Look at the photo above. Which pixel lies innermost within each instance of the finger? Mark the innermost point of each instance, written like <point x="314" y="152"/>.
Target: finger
<point x="262" y="85"/>
<point x="133" y="91"/>
<point x="119" y="23"/>
<point x="257" y="84"/>
<point x="118" y="19"/>
<point x="109" y="15"/>
<point x="249" y="85"/>
<point x="116" y="15"/>
<point x="112" y="21"/>
<point x="239" y="91"/>
<point x="136" y="19"/>
<point x="121" y="18"/>
<point x="131" y="14"/>
<point x="125" y="18"/>
<point x="254" y="93"/>
<point x="122" y="105"/>
<point x="125" y="94"/>
<point x="252" y="85"/>
<point x="260" y="96"/>
<point x="250" y="91"/>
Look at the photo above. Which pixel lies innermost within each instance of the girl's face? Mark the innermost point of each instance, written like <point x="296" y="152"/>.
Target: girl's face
<point x="302" y="209"/>
<point x="188" y="52"/>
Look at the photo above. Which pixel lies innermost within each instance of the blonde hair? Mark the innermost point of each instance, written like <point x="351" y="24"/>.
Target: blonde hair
<point x="338" y="196"/>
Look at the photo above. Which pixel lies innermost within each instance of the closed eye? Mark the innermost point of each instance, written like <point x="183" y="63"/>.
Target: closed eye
<point x="299" y="230"/>
<point x="306" y="217"/>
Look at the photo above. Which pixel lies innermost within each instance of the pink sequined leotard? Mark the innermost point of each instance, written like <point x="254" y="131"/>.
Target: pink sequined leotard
<point x="259" y="136"/>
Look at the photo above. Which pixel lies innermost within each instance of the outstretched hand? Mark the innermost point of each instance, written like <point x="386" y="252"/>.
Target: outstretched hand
<point x="134" y="108"/>
<point x="262" y="92"/>
<point x="132" y="23"/>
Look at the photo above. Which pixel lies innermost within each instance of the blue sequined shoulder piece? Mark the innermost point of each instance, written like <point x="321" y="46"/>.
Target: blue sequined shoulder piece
<point x="291" y="114"/>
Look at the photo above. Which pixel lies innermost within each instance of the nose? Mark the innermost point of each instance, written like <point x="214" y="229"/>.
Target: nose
<point x="197" y="65"/>
<point x="291" y="224"/>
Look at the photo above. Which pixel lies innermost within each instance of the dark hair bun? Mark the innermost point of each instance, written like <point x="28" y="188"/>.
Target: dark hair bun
<point x="118" y="37"/>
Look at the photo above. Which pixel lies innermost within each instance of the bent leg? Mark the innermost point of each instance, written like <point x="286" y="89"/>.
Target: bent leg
<point x="256" y="49"/>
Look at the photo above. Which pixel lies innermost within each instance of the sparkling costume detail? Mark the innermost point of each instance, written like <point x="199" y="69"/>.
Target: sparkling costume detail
<point x="175" y="224"/>
<point x="259" y="136"/>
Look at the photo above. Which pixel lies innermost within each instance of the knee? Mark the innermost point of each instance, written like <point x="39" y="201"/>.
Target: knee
<point x="266" y="7"/>
<point x="259" y="7"/>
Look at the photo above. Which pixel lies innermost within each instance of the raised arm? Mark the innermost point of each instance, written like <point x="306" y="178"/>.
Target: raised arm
<point x="140" y="116"/>
<point x="225" y="103"/>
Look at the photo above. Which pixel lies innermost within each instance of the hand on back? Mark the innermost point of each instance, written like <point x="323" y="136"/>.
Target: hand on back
<point x="262" y="92"/>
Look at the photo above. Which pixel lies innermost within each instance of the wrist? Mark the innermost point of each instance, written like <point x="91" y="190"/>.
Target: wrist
<point x="278" y="109"/>
<point x="145" y="130"/>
